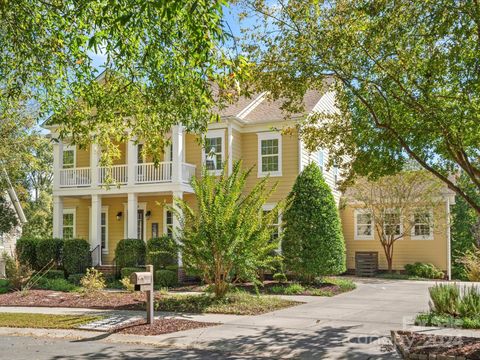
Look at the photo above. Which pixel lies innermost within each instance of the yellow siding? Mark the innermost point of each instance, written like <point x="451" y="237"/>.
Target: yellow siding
<point x="193" y="152"/>
<point x="83" y="157"/>
<point x="123" y="154"/>
<point x="237" y="145"/>
<point x="81" y="207"/>
<point x="289" y="164"/>
<point x="406" y="250"/>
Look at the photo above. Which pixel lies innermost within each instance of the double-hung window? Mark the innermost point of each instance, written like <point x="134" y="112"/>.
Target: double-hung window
<point x="104" y="231"/>
<point x="68" y="223"/>
<point x="275" y="224"/>
<point x="214" y="151"/>
<point x="269" y="154"/>
<point x="422" y="228"/>
<point x="68" y="157"/>
<point x="321" y="160"/>
<point x="392" y="224"/>
<point x="363" y="224"/>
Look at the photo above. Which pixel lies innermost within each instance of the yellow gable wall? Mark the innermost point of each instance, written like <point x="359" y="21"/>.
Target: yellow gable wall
<point x="406" y="250"/>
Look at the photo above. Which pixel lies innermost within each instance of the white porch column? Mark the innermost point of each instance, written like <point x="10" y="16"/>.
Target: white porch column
<point x="57" y="217"/>
<point x="230" y="148"/>
<point x="176" y="230"/>
<point x="57" y="162"/>
<point x="131" y="161"/>
<point x="95" y="222"/>
<point x="178" y="150"/>
<point x="132" y="214"/>
<point x="94" y="158"/>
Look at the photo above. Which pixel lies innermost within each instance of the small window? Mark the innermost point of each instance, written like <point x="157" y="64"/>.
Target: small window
<point x="422" y="225"/>
<point x="392" y="224"/>
<point x="68" y="223"/>
<point x="321" y="159"/>
<point x="363" y="225"/>
<point x="154" y="230"/>
<point x="270" y="154"/>
<point x="68" y="157"/>
<point x="275" y="225"/>
<point x="168" y="223"/>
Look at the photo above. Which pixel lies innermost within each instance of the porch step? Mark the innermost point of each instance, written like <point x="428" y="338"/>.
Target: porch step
<point x="106" y="269"/>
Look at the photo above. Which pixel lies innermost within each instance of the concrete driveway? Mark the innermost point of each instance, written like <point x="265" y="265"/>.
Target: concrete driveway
<point x="354" y="325"/>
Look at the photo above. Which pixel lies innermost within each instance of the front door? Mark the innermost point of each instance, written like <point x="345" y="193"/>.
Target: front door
<point x="140" y="223"/>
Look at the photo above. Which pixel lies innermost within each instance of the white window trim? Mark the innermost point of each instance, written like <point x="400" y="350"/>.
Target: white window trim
<point x="271" y="135"/>
<point x="219" y="133"/>
<point x="70" y="148"/>
<point x="422" y="237"/>
<point x="358" y="236"/>
<point x="104" y="210"/>
<point x="165" y="220"/>
<point x="270" y="207"/>
<point x="74" y="212"/>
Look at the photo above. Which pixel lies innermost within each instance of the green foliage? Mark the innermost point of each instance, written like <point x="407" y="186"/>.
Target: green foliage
<point x="445" y="299"/>
<point x="56" y="285"/>
<point x="26" y="251"/>
<point x="4" y="286"/>
<point x="166" y="278"/>
<point x="76" y="255"/>
<point x="130" y="253"/>
<point x="228" y="235"/>
<point x="48" y="250"/>
<point x="280" y="277"/>
<point x="434" y="319"/>
<point x="292" y="289"/>
<point x="397" y="90"/>
<point x="344" y="284"/>
<point x="471" y="264"/>
<point x="127" y="271"/>
<point x="93" y="281"/>
<point x="16" y="273"/>
<point x="469" y="305"/>
<point x="54" y="274"/>
<point x="75" y="278"/>
<point x="424" y="270"/>
<point x="162" y="252"/>
<point x="127" y="285"/>
<point x="8" y="217"/>
<point x="313" y="243"/>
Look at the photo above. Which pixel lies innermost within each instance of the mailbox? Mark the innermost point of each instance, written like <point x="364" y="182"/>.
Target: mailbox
<point x="142" y="281"/>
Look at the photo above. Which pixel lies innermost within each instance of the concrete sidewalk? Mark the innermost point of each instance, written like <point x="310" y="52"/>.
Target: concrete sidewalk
<point x="354" y="325"/>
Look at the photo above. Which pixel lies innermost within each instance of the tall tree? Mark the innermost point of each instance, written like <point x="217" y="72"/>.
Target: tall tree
<point x="406" y="74"/>
<point x="313" y="243"/>
<point x="164" y="56"/>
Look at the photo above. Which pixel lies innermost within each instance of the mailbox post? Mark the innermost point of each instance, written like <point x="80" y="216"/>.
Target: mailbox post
<point x="143" y="281"/>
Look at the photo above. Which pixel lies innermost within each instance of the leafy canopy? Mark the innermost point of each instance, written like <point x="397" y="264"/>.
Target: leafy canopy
<point x="163" y="57"/>
<point x="313" y="243"/>
<point x="405" y="73"/>
<point x="227" y="236"/>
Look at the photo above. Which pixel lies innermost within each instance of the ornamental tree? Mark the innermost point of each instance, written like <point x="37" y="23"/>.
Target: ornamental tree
<point x="313" y="243"/>
<point x="406" y="75"/>
<point x="226" y="236"/>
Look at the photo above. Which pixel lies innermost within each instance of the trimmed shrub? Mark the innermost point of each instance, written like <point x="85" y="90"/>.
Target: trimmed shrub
<point x="130" y="253"/>
<point x="54" y="274"/>
<point x="26" y="250"/>
<point x="423" y="270"/>
<point x="76" y="256"/>
<point x="4" y="286"/>
<point x="444" y="299"/>
<point x="48" y="250"/>
<point x="166" y="278"/>
<point x="313" y="243"/>
<point x="280" y="277"/>
<point x="75" y="278"/>
<point x="55" y="285"/>
<point x="126" y="272"/>
<point x="162" y="252"/>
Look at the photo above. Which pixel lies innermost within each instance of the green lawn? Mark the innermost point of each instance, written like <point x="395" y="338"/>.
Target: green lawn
<point x="238" y="303"/>
<point x="45" y="321"/>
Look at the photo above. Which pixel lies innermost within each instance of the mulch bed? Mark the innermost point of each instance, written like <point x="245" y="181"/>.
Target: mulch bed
<point x="101" y="300"/>
<point x="160" y="326"/>
<point x="422" y="346"/>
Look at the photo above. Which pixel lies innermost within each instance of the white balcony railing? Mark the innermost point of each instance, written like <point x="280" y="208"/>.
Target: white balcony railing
<point x="116" y="174"/>
<point x="75" y="177"/>
<point x="150" y="173"/>
<point x="188" y="171"/>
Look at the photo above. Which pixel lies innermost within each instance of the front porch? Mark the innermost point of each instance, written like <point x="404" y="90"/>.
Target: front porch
<point x="105" y="220"/>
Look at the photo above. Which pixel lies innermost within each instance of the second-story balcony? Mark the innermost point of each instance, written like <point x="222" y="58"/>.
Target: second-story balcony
<point x="145" y="173"/>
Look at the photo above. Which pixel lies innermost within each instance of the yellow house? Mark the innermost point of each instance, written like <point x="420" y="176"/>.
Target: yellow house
<point x="248" y="130"/>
